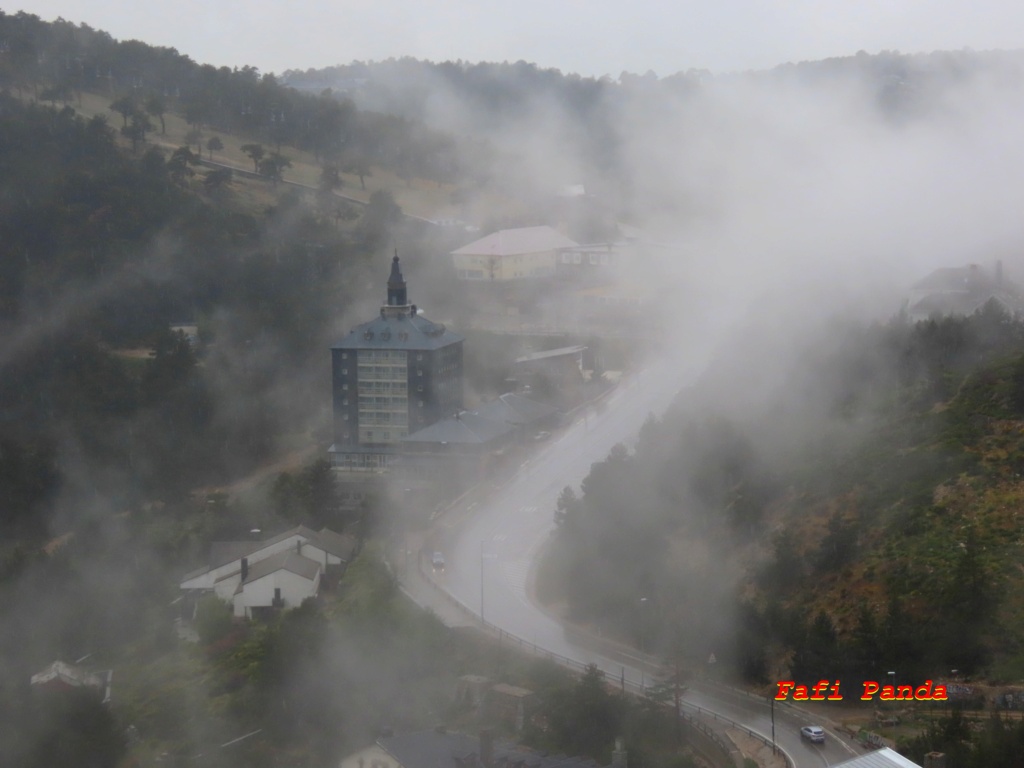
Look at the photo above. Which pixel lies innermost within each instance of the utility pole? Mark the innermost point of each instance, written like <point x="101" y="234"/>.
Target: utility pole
<point x="892" y="677"/>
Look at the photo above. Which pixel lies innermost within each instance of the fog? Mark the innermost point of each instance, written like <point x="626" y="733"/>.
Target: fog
<point x="775" y="207"/>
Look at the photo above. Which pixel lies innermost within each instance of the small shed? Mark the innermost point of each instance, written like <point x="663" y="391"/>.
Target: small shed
<point x="511" y="704"/>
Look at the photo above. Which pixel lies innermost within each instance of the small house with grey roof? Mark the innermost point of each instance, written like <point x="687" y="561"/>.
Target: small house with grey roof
<point x="440" y="749"/>
<point x="391" y="376"/>
<point x="279" y="572"/>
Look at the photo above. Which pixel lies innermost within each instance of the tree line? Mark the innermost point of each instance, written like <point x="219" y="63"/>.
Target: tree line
<point x="59" y="60"/>
<point x="836" y="537"/>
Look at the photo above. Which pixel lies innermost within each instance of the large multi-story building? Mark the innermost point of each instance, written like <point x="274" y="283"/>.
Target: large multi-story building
<point x="392" y="376"/>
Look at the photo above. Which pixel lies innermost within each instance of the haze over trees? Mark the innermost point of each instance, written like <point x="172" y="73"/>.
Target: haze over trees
<point x="837" y="536"/>
<point x="846" y="510"/>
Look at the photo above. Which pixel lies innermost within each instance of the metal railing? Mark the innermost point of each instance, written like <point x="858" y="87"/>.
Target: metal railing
<point x="690" y="717"/>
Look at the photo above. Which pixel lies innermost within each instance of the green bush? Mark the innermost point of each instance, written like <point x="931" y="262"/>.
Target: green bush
<point x="213" y="619"/>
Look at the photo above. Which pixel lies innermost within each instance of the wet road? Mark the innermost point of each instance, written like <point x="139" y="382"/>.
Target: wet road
<point x="492" y="542"/>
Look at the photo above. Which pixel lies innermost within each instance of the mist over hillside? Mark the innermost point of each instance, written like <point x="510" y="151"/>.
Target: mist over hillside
<point x="780" y="219"/>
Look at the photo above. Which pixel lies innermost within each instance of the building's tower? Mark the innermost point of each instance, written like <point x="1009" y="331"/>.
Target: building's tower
<point x="392" y="376"/>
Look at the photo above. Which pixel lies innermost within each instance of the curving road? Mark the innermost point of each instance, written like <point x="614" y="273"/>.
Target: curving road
<point x="492" y="543"/>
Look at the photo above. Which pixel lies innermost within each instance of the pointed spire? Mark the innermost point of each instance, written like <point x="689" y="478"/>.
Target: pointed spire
<point x="396" y="285"/>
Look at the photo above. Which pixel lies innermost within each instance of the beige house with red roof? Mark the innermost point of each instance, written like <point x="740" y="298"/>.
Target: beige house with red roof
<point x="511" y="254"/>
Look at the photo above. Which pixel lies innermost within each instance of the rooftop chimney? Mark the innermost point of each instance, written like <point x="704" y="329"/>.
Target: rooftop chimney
<point x="245" y="568"/>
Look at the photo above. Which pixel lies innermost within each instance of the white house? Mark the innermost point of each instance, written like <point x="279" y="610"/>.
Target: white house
<point x="280" y="581"/>
<point x="233" y="562"/>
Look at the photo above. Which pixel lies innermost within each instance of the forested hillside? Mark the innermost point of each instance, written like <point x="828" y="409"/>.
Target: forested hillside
<point x="58" y="61"/>
<point x="855" y="515"/>
<point x="828" y="504"/>
<point x="596" y="120"/>
<point x="116" y="431"/>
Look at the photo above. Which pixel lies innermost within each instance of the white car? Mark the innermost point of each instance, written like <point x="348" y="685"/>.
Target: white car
<point x="814" y="733"/>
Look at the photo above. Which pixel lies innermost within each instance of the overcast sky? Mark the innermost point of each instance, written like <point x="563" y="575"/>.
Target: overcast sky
<point x="590" y="37"/>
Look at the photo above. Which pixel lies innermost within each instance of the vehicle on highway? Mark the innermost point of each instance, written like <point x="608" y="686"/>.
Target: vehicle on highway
<point x="814" y="733"/>
<point x="541" y="436"/>
<point x="438" y="562"/>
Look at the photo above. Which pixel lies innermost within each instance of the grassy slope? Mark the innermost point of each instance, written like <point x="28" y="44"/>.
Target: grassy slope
<point x="419" y="198"/>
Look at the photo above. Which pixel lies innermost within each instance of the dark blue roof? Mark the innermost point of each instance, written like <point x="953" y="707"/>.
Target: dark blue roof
<point x="402" y="332"/>
<point x="430" y="749"/>
<point x="466" y="428"/>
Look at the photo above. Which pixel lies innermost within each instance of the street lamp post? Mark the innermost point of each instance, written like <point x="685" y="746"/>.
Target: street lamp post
<point x="774" y="748"/>
<point x="482" y="622"/>
<point x="643" y="639"/>
<point x="643" y="625"/>
<point x="892" y="681"/>
<point x="953" y="672"/>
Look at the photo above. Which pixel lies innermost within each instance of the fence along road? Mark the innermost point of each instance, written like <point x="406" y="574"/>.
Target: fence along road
<point x="491" y="544"/>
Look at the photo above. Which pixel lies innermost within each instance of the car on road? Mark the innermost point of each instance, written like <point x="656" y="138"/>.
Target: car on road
<point x="541" y="436"/>
<point x="438" y="562"/>
<point x="813" y="733"/>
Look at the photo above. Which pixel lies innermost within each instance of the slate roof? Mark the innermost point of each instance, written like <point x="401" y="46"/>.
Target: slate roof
<point x="337" y="544"/>
<point x="224" y="552"/>
<point x="550" y="353"/>
<point x="467" y="428"/>
<point x="401" y="332"/>
<point x="515" y="409"/>
<point x="430" y="749"/>
<point x="511" y="242"/>
<point x="880" y="758"/>
<point x="286" y="561"/>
